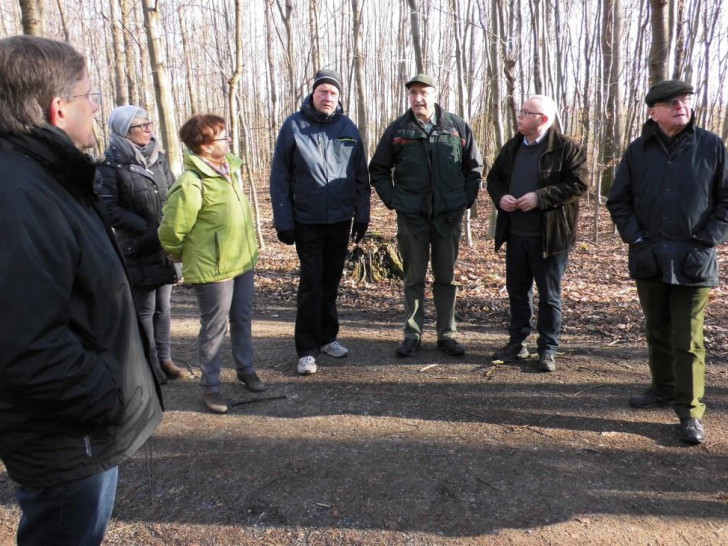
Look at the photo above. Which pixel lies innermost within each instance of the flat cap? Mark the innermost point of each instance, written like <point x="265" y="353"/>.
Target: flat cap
<point x="327" y="76"/>
<point x="424" y="79"/>
<point x="666" y="90"/>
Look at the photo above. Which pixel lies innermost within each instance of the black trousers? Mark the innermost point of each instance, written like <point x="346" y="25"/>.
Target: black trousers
<point x="524" y="265"/>
<point x="321" y="250"/>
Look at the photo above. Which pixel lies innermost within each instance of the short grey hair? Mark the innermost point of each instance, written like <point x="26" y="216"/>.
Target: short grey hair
<point x="33" y="71"/>
<point x="548" y="107"/>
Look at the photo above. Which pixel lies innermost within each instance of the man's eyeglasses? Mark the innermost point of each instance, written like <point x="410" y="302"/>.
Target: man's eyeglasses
<point x="93" y="95"/>
<point x="685" y="100"/>
<point x="523" y="113"/>
<point x="143" y="126"/>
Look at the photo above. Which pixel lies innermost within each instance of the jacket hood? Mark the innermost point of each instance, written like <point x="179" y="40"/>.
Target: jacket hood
<point x="194" y="163"/>
<point x="314" y="115"/>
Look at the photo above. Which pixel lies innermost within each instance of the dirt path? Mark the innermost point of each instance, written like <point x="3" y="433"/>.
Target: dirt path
<point x="429" y="450"/>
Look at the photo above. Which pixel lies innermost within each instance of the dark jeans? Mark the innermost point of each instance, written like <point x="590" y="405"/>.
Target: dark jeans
<point x="417" y="252"/>
<point x="219" y="301"/>
<point x="322" y="251"/>
<point x="153" y="307"/>
<point x="74" y="513"/>
<point x="674" y="317"/>
<point x="524" y="265"/>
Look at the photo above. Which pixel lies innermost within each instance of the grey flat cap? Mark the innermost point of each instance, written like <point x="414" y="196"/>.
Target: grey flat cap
<point x="666" y="90"/>
<point x="424" y="79"/>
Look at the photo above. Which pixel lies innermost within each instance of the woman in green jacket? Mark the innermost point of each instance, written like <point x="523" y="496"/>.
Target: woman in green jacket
<point x="208" y="224"/>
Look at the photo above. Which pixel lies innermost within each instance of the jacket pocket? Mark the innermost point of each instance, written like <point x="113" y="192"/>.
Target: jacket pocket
<point x="405" y="201"/>
<point x="701" y="264"/>
<point x="642" y="262"/>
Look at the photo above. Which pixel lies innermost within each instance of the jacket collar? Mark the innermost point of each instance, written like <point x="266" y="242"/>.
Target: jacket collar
<point x="554" y="141"/>
<point x="194" y="163"/>
<point x="52" y="148"/>
<point x="650" y="129"/>
<point x="315" y="116"/>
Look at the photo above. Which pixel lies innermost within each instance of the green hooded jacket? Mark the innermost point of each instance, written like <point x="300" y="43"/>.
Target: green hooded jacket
<point x="208" y="222"/>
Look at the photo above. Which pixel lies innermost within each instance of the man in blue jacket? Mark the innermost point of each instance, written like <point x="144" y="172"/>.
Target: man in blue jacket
<point x="77" y="393"/>
<point x="670" y="204"/>
<point x="318" y="183"/>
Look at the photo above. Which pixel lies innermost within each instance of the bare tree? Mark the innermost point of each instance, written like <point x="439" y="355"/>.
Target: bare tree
<point x="31" y="17"/>
<point x="235" y="78"/>
<point x="191" y="87"/>
<point x="416" y="41"/>
<point x="612" y="70"/>
<point x="356" y="13"/>
<point x="659" y="50"/>
<point x="163" y="92"/>
<point x="121" y="94"/>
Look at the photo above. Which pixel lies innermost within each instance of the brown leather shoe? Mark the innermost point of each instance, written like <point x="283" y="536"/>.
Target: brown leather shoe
<point x="170" y="369"/>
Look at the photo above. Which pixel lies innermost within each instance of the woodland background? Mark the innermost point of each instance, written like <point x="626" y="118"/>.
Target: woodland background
<point x="253" y="62"/>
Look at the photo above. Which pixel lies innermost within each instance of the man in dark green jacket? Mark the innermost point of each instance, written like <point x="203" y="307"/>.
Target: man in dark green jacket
<point x="427" y="167"/>
<point x="670" y="204"/>
<point x="536" y="183"/>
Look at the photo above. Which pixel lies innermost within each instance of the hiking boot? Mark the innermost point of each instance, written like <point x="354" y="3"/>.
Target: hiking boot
<point x="215" y="402"/>
<point x="408" y="347"/>
<point x="306" y="365"/>
<point x="650" y="399"/>
<point x="450" y="346"/>
<point x="547" y="363"/>
<point x="252" y="381"/>
<point x="513" y="351"/>
<point x="335" y="349"/>
<point x="691" y="431"/>
<point x="170" y="369"/>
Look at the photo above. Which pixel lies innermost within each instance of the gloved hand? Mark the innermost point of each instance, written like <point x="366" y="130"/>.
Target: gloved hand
<point x="358" y="230"/>
<point x="287" y="236"/>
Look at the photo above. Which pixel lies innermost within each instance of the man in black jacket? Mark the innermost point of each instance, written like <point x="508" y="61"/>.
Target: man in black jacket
<point x="77" y="394"/>
<point x="427" y="167"/>
<point x="670" y="204"/>
<point x="535" y="183"/>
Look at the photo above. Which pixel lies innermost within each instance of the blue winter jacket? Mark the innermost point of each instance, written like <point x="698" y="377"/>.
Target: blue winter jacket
<point x="319" y="172"/>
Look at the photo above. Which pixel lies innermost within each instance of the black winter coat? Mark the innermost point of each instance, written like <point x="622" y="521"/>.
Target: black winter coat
<point x="134" y="197"/>
<point x="673" y="204"/>
<point x="562" y="181"/>
<point x="77" y="393"/>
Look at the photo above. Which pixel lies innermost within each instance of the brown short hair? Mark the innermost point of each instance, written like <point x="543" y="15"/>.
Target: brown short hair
<point x="34" y="70"/>
<point x="200" y="129"/>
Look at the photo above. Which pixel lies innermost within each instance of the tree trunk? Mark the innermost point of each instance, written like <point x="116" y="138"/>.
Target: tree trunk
<point x="235" y="78"/>
<point x="131" y="80"/>
<point x="611" y="73"/>
<point x="121" y="91"/>
<point x="286" y="17"/>
<point x="659" y="50"/>
<point x="272" y="85"/>
<point x="162" y="90"/>
<point x="64" y="21"/>
<point x="313" y="31"/>
<point x="31" y="17"/>
<point x="191" y="85"/>
<point x="416" y="42"/>
<point x="356" y="13"/>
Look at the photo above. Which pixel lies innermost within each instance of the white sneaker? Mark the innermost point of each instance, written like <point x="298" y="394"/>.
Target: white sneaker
<point x="335" y="349"/>
<point x="306" y="365"/>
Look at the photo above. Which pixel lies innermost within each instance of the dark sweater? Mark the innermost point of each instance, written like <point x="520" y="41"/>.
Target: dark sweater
<point x="524" y="179"/>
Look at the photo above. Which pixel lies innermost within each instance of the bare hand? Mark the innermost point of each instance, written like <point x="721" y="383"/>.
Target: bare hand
<point x="528" y="201"/>
<point x="508" y="203"/>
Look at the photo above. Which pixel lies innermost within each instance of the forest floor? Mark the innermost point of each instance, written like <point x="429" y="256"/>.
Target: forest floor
<point x="430" y="450"/>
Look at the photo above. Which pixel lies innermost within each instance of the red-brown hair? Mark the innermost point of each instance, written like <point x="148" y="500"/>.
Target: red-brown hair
<point x="201" y="129"/>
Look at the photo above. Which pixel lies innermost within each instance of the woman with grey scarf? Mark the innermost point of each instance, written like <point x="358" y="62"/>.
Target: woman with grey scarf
<point x="135" y="180"/>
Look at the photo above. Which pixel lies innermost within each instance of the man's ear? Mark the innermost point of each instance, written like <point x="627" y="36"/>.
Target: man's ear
<point x="56" y="114"/>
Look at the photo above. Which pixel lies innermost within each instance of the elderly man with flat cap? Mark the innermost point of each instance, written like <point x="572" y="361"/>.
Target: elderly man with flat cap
<point x="427" y="167"/>
<point x="670" y="204"/>
<point x="318" y="183"/>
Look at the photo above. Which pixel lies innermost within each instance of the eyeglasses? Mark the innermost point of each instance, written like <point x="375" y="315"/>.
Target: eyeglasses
<point x="523" y="113"/>
<point x="229" y="139"/>
<point x="93" y="95"/>
<point x="685" y="100"/>
<point x="146" y="127"/>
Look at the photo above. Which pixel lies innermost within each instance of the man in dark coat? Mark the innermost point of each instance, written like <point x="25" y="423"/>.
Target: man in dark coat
<point x="318" y="183"/>
<point x="77" y="394"/>
<point x="427" y="167"/>
<point x="536" y="183"/>
<point x="669" y="202"/>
